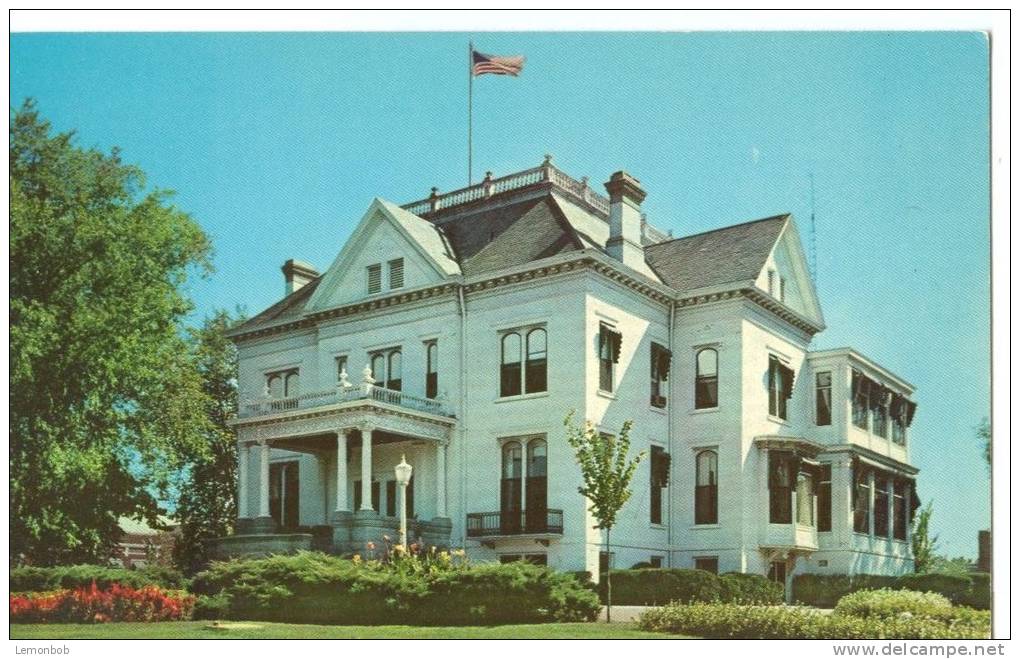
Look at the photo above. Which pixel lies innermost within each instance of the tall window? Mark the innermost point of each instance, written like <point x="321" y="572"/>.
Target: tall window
<point x="396" y="273"/>
<point x="431" y="369"/>
<point x="780" y="387"/>
<point x="661" y="358"/>
<point x="781" y="475"/>
<point x="861" y="388"/>
<point x="706" y="379"/>
<point x="387" y="368"/>
<point x="341" y="366"/>
<point x="659" y="479"/>
<point x="535" y="365"/>
<point x="880" y="410"/>
<point x="900" y="510"/>
<point x="823" y="399"/>
<point x="536" y="488"/>
<point x="825" y="498"/>
<point x="374" y="278"/>
<point x="862" y="501"/>
<point x="609" y="356"/>
<point x="881" y="507"/>
<point x="510" y="368"/>
<point x="511" y="488"/>
<point x="805" y="499"/>
<point x="706" y="490"/>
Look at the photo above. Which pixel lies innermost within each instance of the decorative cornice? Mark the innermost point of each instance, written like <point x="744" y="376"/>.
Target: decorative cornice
<point x="773" y="305"/>
<point x="784" y="442"/>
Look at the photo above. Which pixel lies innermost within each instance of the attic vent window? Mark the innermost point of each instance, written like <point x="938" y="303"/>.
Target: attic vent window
<point x="397" y="273"/>
<point x="374" y="278"/>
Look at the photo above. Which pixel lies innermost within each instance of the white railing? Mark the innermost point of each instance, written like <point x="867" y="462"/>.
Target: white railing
<point x="490" y="186"/>
<point x="365" y="391"/>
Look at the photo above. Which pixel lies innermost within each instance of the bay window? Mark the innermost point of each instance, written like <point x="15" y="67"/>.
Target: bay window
<point x="805" y="499"/>
<point x="781" y="478"/>
<point x="823" y="399"/>
<point x="881" y="507"/>
<point x="824" y="494"/>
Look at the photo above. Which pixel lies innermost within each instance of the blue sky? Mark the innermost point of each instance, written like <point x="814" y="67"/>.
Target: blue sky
<point x="277" y="143"/>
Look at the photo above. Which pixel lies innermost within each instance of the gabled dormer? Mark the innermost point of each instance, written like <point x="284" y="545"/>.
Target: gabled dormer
<point x="786" y="277"/>
<point x="389" y="251"/>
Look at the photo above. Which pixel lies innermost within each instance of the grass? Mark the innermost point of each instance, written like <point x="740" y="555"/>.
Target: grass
<point x="263" y="630"/>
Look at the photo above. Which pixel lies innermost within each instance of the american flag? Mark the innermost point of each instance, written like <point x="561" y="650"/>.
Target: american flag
<point x="501" y="66"/>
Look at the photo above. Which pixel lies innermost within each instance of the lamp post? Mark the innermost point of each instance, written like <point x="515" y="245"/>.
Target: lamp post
<point x="403" y="474"/>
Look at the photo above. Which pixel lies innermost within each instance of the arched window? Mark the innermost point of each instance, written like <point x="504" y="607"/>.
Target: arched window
<point x="535" y="367"/>
<point x="510" y="489"/>
<point x="706" y="490"/>
<point x="292" y="385"/>
<point x="535" y="508"/>
<point x="431" y="369"/>
<point x="393" y="379"/>
<point x="706" y="381"/>
<point x="510" y="365"/>
<point x="379" y="367"/>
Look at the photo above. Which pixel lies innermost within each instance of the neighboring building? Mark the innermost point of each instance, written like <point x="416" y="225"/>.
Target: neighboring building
<point x="984" y="561"/>
<point x="461" y="329"/>
<point x="140" y="544"/>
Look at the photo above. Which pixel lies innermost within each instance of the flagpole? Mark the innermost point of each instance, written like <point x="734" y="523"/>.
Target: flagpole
<point x="471" y="78"/>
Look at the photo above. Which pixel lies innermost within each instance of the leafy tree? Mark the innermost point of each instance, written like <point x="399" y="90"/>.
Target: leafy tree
<point x="984" y="433"/>
<point x="607" y="472"/>
<point x="104" y="403"/>
<point x="207" y="505"/>
<point x="923" y="545"/>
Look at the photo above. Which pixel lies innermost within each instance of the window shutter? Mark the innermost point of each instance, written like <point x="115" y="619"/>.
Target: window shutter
<point x="662" y="358"/>
<point x="911" y="408"/>
<point x="788" y="376"/>
<point x="616" y="339"/>
<point x="374" y="278"/>
<point x="660" y="467"/>
<point x="397" y="273"/>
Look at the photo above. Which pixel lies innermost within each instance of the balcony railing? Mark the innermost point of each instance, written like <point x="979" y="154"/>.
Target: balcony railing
<point x="543" y="521"/>
<point x="266" y="405"/>
<point x="489" y="186"/>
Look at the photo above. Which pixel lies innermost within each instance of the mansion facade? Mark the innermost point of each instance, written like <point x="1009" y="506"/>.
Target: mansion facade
<point x="460" y="330"/>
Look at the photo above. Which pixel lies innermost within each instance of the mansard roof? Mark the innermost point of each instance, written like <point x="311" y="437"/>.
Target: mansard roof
<point x="728" y="255"/>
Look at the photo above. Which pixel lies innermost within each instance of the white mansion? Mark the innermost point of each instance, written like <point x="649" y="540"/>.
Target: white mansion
<point x="460" y="330"/>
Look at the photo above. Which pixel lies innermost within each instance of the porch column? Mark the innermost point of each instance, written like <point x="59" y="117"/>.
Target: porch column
<point x="440" y="479"/>
<point x="242" y="479"/>
<point x="341" y="470"/>
<point x="366" y="468"/>
<point x="264" y="479"/>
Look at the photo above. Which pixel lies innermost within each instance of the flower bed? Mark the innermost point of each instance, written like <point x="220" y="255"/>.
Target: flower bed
<point x="868" y="615"/>
<point x="115" y="603"/>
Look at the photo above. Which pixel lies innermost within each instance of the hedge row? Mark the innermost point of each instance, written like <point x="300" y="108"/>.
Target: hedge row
<point x="784" y="622"/>
<point x="70" y="577"/>
<point x="645" y="586"/>
<point x="316" y="588"/>
<point x="826" y="590"/>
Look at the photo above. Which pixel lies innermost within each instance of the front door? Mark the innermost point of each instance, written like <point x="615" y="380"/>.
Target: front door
<point x="777" y="573"/>
<point x="284" y="494"/>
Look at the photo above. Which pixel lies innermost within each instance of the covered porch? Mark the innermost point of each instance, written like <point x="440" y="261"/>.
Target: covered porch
<point x="323" y="478"/>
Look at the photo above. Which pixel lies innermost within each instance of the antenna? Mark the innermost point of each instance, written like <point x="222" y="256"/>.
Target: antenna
<point x="811" y="237"/>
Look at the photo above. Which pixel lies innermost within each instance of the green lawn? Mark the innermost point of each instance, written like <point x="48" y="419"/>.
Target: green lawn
<point x="250" y="630"/>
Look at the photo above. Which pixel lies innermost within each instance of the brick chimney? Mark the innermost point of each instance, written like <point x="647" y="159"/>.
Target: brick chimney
<point x="296" y="274"/>
<point x="625" y="197"/>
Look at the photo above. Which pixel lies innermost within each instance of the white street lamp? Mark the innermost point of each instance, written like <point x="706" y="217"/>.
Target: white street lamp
<point x="403" y="474"/>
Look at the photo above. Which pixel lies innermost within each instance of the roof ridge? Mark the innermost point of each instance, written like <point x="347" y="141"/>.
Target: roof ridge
<point x="729" y="226"/>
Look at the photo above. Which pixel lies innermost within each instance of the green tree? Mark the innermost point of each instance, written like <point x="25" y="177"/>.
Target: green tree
<point x="607" y="471"/>
<point x="984" y="433"/>
<point x="923" y="544"/>
<point x="207" y="505"/>
<point x="104" y="402"/>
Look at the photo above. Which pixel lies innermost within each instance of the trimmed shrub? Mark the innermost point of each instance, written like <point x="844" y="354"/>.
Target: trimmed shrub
<point x="953" y="586"/>
<point x="980" y="594"/>
<point x="93" y="604"/>
<point x="740" y="588"/>
<point x="784" y="622"/>
<point x="70" y="577"/>
<point x="825" y="590"/>
<point x="316" y="588"/>
<point x="661" y="586"/>
<point x="893" y="604"/>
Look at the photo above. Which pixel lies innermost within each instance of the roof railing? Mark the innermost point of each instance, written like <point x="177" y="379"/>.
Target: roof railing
<point x="489" y="187"/>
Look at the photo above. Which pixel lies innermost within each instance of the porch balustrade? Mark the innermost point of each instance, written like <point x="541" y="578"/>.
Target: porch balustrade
<point x="263" y="406"/>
